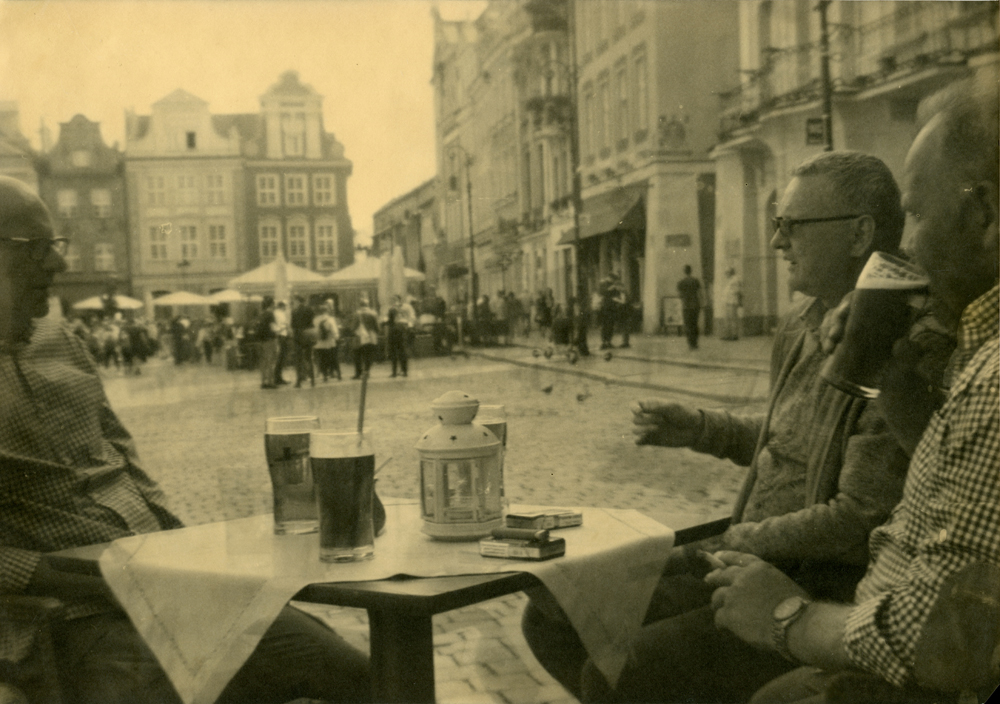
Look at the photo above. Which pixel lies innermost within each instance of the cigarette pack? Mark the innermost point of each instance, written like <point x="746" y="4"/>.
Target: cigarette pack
<point x="513" y="549"/>
<point x="547" y="520"/>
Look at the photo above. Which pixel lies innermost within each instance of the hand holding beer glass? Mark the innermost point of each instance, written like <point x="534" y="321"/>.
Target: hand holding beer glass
<point x="879" y="314"/>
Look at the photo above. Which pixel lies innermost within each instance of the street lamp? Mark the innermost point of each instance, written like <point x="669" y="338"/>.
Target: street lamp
<point x="453" y="185"/>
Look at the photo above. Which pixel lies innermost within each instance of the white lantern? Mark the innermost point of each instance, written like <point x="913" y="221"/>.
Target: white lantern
<point x="460" y="490"/>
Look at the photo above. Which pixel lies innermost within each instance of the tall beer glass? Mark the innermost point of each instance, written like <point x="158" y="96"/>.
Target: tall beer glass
<point x="286" y="444"/>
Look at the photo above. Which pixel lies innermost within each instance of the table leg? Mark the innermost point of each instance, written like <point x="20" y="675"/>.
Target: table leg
<point x="402" y="656"/>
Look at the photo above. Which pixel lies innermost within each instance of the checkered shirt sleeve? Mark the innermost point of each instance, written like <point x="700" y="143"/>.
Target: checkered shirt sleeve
<point x="69" y="474"/>
<point x="949" y="516"/>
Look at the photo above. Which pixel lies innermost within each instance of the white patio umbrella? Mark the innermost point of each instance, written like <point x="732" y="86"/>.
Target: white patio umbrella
<point x="227" y="295"/>
<point x="264" y="278"/>
<point x="97" y="303"/>
<point x="182" y="298"/>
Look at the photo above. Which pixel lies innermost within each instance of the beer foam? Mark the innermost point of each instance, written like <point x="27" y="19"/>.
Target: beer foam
<point x="885" y="272"/>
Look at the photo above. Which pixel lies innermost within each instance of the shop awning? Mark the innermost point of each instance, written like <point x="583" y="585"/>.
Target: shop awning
<point x="623" y="209"/>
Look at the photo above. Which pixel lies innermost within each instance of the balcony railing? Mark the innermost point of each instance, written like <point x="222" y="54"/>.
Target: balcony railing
<point x="915" y="36"/>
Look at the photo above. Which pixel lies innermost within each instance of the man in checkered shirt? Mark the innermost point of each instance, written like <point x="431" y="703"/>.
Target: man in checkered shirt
<point x="69" y="476"/>
<point x="926" y="617"/>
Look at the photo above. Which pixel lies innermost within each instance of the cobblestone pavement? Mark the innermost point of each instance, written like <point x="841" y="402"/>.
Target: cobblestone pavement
<point x="199" y="428"/>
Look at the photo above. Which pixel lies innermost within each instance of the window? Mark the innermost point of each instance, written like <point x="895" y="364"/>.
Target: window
<point x="156" y="190"/>
<point x="621" y="107"/>
<point x="587" y="128"/>
<point x="295" y="190"/>
<point x="326" y="245"/>
<point x="323" y="190"/>
<point x="641" y="108"/>
<point x="189" y="242"/>
<point x="66" y="202"/>
<point x="604" y="115"/>
<point x="158" y="242"/>
<point x="214" y="189"/>
<point x="80" y="158"/>
<point x="293" y="133"/>
<point x="268" y="237"/>
<point x="104" y="257"/>
<point x="72" y="258"/>
<point x="187" y="194"/>
<point x="267" y="190"/>
<point x="298" y="245"/>
<point x="100" y="198"/>
<point x="191" y="140"/>
<point x="217" y="241"/>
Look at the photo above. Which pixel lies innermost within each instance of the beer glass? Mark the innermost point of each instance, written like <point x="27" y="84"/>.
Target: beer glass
<point x="343" y="466"/>
<point x="286" y="444"/>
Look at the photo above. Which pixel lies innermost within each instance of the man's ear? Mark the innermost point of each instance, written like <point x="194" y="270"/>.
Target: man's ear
<point x="864" y="235"/>
<point x="986" y="201"/>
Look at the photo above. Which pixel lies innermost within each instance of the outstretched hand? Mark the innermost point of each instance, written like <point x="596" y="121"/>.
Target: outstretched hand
<point x="665" y="424"/>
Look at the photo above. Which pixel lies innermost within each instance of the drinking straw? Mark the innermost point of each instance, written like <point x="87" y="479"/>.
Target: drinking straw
<point x="381" y="466"/>
<point x="361" y="409"/>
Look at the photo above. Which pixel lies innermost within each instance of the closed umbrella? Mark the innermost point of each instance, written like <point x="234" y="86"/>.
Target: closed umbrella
<point x="281" y="279"/>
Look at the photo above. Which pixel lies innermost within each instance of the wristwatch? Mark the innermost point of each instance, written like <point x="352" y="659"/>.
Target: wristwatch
<point x="785" y="614"/>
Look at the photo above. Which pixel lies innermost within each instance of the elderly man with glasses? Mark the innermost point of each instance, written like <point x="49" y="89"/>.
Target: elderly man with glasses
<point x="823" y="468"/>
<point x="70" y="476"/>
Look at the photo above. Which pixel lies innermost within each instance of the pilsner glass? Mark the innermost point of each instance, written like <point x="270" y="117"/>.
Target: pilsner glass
<point x="286" y="444"/>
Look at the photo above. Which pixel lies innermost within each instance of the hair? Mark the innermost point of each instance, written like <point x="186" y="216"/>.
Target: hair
<point x="969" y="111"/>
<point x="266" y="302"/>
<point x="866" y="184"/>
<point x="687" y="268"/>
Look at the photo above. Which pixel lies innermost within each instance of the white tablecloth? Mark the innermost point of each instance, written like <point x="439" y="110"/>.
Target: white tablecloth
<point x="203" y="596"/>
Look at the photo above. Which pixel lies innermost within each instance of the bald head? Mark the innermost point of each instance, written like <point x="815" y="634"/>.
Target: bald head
<point x="21" y="211"/>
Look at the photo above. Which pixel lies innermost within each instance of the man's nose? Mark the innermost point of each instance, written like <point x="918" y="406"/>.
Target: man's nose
<point x="54" y="262"/>
<point x="778" y="241"/>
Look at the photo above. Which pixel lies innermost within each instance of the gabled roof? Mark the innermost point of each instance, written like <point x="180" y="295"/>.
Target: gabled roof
<point x="180" y="96"/>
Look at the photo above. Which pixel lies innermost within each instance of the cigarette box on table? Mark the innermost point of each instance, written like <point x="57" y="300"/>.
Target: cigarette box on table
<point x="513" y="549"/>
<point x="555" y="518"/>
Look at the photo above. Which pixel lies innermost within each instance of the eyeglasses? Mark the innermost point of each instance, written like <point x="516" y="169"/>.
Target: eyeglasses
<point x="39" y="247"/>
<point x="785" y="225"/>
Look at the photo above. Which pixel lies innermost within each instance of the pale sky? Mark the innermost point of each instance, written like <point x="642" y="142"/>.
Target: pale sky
<point x="370" y="59"/>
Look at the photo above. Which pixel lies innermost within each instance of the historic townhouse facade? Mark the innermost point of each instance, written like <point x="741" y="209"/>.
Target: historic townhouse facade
<point x="648" y="75"/>
<point x="296" y="186"/>
<point x="503" y="129"/>
<point x="410" y="222"/>
<point x="82" y="181"/>
<point x="185" y="176"/>
<point x="884" y="58"/>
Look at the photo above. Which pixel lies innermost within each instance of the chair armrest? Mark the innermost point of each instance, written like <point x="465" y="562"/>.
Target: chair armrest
<point x="702" y="531"/>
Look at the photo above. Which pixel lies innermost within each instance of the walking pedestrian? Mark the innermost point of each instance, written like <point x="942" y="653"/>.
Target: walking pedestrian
<point x="692" y="301"/>
<point x="265" y="333"/>
<point x="281" y="329"/>
<point x="327" y="338"/>
<point x="395" y="342"/>
<point x="733" y="298"/>
<point x="303" y="337"/>
<point x="366" y="338"/>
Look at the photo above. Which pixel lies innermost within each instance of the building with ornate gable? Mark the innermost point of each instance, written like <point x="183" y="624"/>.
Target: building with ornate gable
<point x="82" y="180"/>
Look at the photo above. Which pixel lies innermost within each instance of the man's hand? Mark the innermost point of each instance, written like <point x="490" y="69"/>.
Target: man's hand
<point x="665" y="424"/>
<point x="910" y="388"/>
<point x="747" y="592"/>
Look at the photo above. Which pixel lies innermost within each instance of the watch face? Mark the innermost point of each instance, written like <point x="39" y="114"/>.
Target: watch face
<point x="788" y="608"/>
